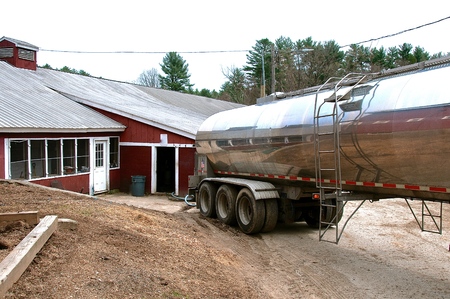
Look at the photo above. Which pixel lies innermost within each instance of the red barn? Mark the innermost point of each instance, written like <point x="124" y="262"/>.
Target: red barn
<point x="92" y="135"/>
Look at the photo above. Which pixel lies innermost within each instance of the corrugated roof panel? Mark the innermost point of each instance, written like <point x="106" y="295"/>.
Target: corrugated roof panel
<point x="26" y="104"/>
<point x="169" y="110"/>
<point x="202" y="105"/>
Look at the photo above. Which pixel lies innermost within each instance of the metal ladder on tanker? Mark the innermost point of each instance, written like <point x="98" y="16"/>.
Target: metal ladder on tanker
<point x="327" y="148"/>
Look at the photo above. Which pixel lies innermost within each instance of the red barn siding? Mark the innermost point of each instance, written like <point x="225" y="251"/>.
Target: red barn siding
<point x="140" y="132"/>
<point x="186" y="168"/>
<point x="2" y="158"/>
<point x="135" y="160"/>
<point x="114" y="179"/>
<point x="76" y="183"/>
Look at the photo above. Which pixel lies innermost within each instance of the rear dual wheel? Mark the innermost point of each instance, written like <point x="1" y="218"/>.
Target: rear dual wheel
<point x="254" y="216"/>
<point x="312" y="216"/>
<point x="226" y="204"/>
<point x="207" y="199"/>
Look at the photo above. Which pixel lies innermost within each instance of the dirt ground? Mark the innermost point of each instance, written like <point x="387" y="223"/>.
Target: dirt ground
<point x="166" y="249"/>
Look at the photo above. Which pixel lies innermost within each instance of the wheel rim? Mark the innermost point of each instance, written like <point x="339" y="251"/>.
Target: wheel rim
<point x="222" y="205"/>
<point x="204" y="200"/>
<point x="245" y="210"/>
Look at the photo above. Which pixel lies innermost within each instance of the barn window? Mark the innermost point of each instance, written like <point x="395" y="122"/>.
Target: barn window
<point x="26" y="54"/>
<point x="43" y="158"/>
<point x="83" y="155"/>
<point x="54" y="157"/>
<point x="114" y="152"/>
<point x="69" y="156"/>
<point x="38" y="165"/>
<point x="6" y="52"/>
<point x="19" y="159"/>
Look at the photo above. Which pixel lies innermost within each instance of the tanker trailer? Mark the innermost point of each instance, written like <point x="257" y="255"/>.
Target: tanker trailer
<point x="298" y="156"/>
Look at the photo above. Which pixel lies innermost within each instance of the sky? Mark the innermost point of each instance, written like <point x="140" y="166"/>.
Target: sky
<point x="229" y="28"/>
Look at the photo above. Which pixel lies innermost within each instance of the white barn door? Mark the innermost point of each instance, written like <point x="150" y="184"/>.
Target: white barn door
<point x="100" y="166"/>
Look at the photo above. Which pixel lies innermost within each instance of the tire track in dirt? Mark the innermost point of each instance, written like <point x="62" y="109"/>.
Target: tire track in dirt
<point x="382" y="253"/>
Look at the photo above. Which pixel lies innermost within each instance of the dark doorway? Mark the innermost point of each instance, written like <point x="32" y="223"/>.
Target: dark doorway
<point x="165" y="169"/>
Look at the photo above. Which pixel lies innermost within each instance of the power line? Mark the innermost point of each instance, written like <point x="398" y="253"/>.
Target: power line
<point x="394" y="34"/>
<point x="232" y="51"/>
<point x="140" y="52"/>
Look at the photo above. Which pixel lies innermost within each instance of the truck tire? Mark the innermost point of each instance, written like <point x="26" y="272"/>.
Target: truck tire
<point x="312" y="215"/>
<point x="271" y="217"/>
<point x="226" y="204"/>
<point x="250" y="213"/>
<point x="206" y="199"/>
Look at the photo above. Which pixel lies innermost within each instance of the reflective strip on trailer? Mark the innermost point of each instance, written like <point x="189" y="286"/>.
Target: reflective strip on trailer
<point x="353" y="183"/>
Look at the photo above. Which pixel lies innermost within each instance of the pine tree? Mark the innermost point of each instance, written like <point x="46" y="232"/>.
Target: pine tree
<point x="176" y="70"/>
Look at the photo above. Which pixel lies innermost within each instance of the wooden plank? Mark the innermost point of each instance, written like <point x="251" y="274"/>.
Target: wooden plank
<point x="30" y="217"/>
<point x="13" y="266"/>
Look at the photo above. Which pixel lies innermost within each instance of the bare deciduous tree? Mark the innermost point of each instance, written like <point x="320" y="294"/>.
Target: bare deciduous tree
<point x="149" y="78"/>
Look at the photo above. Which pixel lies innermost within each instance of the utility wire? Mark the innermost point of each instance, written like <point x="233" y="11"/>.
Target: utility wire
<point x="140" y="52"/>
<point x="394" y="34"/>
<point x="232" y="51"/>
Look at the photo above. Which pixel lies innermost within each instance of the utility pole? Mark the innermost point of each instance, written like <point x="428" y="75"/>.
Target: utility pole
<point x="263" y="78"/>
<point x="272" y="53"/>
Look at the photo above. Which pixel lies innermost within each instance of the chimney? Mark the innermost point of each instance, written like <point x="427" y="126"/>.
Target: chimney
<point x="18" y="53"/>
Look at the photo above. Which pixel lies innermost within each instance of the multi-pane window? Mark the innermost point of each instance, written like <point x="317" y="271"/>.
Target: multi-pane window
<point x="40" y="158"/>
<point x="19" y="159"/>
<point x="114" y="152"/>
<point x="38" y="165"/>
<point x="6" y="52"/>
<point x="99" y="151"/>
<point x="69" y="154"/>
<point x="54" y="157"/>
<point x="83" y="155"/>
<point x="26" y="54"/>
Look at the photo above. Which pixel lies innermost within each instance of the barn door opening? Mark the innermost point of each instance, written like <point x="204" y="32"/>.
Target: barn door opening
<point x="165" y="169"/>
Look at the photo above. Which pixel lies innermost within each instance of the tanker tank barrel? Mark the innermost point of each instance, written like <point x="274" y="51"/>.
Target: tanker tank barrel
<point x="377" y="135"/>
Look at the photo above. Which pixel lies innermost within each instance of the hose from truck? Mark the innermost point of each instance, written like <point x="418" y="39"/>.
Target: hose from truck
<point x="186" y="199"/>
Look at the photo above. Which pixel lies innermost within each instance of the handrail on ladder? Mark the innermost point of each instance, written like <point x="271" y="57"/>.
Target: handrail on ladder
<point x="352" y="80"/>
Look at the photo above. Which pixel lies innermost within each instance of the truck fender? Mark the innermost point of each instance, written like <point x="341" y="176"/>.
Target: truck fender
<point x="260" y="189"/>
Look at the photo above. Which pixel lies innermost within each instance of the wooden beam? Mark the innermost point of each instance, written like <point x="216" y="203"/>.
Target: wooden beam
<point x="30" y="217"/>
<point x="13" y="266"/>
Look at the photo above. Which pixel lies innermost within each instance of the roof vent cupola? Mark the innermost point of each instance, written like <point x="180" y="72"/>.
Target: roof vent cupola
<point x="18" y="53"/>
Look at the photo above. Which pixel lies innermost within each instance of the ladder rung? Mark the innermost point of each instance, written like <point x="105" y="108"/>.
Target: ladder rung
<point x="329" y="205"/>
<point x="327" y="169"/>
<point x="331" y="196"/>
<point x="327" y="151"/>
<point x="325" y="133"/>
<point x="325" y="115"/>
<point x="329" y="188"/>
<point x="329" y="223"/>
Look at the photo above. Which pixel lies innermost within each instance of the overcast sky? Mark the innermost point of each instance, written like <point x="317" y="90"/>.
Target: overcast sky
<point x="201" y="25"/>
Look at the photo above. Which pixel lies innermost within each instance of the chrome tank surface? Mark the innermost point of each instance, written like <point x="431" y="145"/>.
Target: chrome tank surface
<point x="393" y="130"/>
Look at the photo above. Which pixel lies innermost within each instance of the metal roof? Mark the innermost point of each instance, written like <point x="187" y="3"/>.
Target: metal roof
<point x="27" y="106"/>
<point x="47" y="101"/>
<point x="168" y="110"/>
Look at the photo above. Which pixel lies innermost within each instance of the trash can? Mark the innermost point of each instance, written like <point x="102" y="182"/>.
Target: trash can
<point x="138" y="185"/>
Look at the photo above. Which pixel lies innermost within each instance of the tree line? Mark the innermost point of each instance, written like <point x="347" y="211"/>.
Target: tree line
<point x="282" y="65"/>
<point x="285" y="65"/>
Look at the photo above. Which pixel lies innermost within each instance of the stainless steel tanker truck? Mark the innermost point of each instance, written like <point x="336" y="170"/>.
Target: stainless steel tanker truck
<point x="300" y="156"/>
